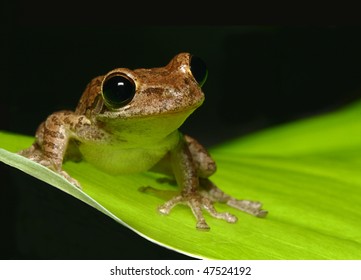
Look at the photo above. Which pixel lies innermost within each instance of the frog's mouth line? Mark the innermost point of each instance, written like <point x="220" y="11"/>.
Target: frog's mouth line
<point x="108" y="114"/>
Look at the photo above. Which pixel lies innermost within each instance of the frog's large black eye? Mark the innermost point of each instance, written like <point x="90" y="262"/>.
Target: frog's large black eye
<point x="199" y="70"/>
<point x="118" y="91"/>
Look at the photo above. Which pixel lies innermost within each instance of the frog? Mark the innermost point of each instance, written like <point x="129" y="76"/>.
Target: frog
<point x="127" y="121"/>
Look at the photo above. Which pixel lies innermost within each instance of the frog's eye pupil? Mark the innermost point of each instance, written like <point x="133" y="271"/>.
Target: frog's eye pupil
<point x="118" y="91"/>
<point x="199" y="70"/>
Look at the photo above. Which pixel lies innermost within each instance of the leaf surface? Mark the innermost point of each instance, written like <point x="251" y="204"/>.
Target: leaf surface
<point x="306" y="173"/>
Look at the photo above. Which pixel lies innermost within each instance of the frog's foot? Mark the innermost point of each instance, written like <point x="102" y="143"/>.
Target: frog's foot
<point x="70" y="179"/>
<point x="215" y="194"/>
<point x="197" y="202"/>
<point x="32" y="153"/>
<point x="36" y="155"/>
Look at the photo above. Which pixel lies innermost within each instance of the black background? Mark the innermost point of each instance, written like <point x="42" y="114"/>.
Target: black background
<point x="259" y="76"/>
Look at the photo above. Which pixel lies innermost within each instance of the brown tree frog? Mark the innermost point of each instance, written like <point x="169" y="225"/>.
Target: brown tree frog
<point x="127" y="121"/>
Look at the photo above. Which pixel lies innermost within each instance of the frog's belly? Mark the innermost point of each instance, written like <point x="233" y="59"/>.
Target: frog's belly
<point x="122" y="161"/>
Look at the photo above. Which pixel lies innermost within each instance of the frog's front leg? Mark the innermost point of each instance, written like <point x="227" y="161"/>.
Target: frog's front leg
<point x="206" y="167"/>
<point x="192" y="165"/>
<point x="52" y="140"/>
<point x="186" y="172"/>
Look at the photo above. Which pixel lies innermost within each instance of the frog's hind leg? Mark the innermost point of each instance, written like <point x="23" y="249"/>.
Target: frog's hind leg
<point x="210" y="190"/>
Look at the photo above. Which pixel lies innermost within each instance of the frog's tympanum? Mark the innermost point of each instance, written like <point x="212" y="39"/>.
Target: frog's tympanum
<point x="127" y="121"/>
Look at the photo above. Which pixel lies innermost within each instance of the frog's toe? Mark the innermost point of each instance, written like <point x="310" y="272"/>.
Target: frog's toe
<point x="168" y="206"/>
<point x="228" y="217"/>
<point x="251" y="207"/>
<point x="262" y="213"/>
<point x="197" y="203"/>
<point x="70" y="179"/>
<point x="215" y="194"/>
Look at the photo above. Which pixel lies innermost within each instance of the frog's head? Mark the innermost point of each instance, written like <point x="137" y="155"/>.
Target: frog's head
<point x="157" y="97"/>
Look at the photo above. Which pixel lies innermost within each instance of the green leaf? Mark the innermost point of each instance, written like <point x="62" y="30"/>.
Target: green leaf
<point x="306" y="173"/>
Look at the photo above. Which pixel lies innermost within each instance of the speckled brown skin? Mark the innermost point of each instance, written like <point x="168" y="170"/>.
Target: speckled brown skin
<point x="142" y="135"/>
